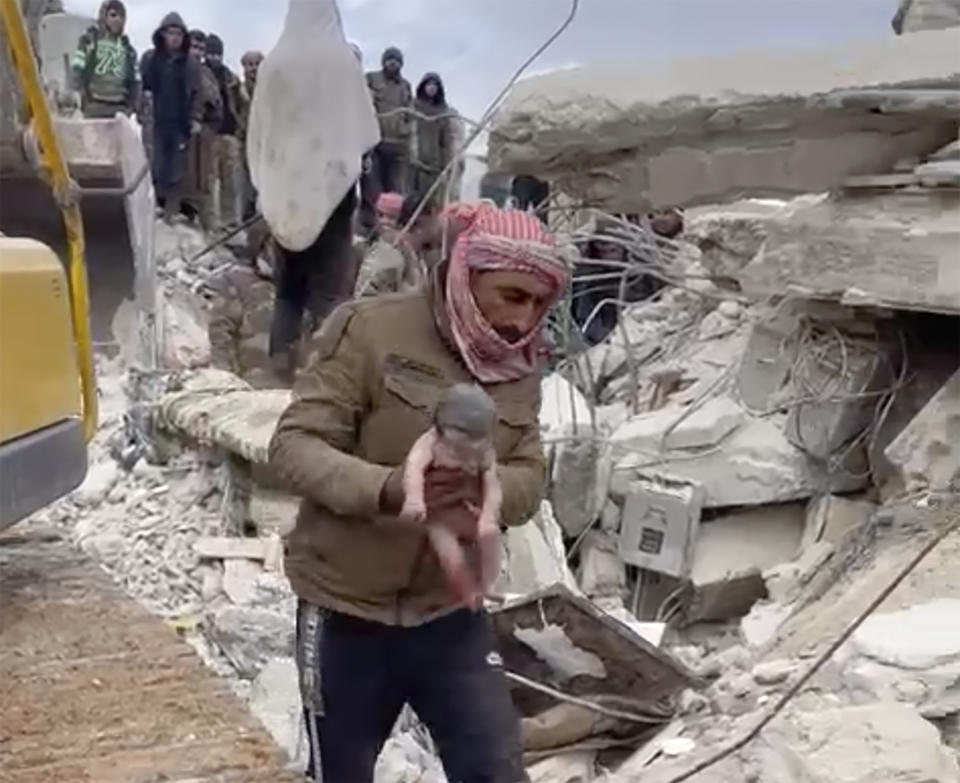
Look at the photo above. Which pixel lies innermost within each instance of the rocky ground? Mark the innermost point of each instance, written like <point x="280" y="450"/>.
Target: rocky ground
<point x="781" y="551"/>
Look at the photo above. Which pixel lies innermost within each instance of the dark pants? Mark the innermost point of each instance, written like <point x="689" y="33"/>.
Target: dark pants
<point x="170" y="148"/>
<point x="314" y="281"/>
<point x="357" y="675"/>
<point x="391" y="164"/>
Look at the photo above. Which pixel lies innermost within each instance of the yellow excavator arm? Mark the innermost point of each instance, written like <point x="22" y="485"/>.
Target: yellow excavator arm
<point x="48" y="397"/>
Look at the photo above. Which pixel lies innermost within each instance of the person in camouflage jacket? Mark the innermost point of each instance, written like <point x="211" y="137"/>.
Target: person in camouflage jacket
<point x="240" y="320"/>
<point x="104" y="65"/>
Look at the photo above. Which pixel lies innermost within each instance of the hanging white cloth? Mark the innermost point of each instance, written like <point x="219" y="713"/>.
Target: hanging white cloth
<point x="311" y="121"/>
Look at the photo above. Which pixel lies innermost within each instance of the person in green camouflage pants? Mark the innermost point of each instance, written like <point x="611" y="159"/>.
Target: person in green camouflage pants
<point x="240" y="318"/>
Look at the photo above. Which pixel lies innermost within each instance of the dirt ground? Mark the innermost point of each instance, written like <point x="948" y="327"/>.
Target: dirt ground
<point x="95" y="689"/>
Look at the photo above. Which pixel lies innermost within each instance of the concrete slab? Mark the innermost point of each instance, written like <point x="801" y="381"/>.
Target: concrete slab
<point x="633" y="134"/>
<point x="927" y="452"/>
<point x="897" y="251"/>
<point x="880" y="742"/>
<point x="733" y="551"/>
<point x="755" y="465"/>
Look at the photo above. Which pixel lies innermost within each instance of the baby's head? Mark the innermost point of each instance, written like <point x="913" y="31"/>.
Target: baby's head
<point x="464" y="419"/>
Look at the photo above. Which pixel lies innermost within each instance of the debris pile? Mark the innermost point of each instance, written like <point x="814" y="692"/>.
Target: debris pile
<point x="735" y="471"/>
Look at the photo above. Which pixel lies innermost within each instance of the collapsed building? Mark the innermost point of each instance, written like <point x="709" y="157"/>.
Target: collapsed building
<point x="736" y="470"/>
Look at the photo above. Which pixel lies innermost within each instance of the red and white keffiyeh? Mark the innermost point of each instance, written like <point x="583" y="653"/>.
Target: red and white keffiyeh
<point x="496" y="240"/>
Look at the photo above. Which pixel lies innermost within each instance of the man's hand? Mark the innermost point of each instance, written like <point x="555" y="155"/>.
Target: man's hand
<point x="195" y="128"/>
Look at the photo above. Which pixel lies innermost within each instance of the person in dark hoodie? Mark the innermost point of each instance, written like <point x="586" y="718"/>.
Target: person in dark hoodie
<point x="392" y="99"/>
<point x="434" y="131"/>
<point x="172" y="78"/>
<point x="226" y="171"/>
<point x="105" y="65"/>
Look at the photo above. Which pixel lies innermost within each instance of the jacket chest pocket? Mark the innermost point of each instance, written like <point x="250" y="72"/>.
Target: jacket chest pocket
<point x="405" y="412"/>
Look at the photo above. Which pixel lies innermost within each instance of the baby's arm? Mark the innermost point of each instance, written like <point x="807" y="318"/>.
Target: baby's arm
<point x="414" y="472"/>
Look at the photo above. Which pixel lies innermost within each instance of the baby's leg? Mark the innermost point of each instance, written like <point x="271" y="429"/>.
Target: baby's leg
<point x="454" y="565"/>
<point x="414" y="472"/>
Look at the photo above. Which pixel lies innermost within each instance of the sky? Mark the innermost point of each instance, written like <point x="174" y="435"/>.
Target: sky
<point x="476" y="44"/>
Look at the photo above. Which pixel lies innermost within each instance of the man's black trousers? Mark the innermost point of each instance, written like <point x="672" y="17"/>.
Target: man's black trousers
<point x="315" y="280"/>
<point x="357" y="675"/>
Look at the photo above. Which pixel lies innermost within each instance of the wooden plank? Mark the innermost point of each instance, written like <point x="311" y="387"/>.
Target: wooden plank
<point x="232" y="548"/>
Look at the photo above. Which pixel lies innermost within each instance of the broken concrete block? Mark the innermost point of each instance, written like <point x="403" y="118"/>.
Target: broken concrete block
<point x="847" y="369"/>
<point x="404" y="759"/>
<point x="610" y="517"/>
<point x="880" y="251"/>
<point x="250" y="636"/>
<point x="535" y="556"/>
<point x="97" y="484"/>
<point x="757" y="465"/>
<point x="760" y="625"/>
<point x="628" y="135"/>
<point x="731" y="554"/>
<point x="563" y="409"/>
<point x="578" y="486"/>
<point x="680" y="428"/>
<point x="578" y="767"/>
<point x="581" y="461"/>
<point x="835" y="519"/>
<point x="773" y="672"/>
<point x="921" y="637"/>
<point x="602" y="572"/>
<point x="786" y="581"/>
<point x="275" y="701"/>
<point x="927" y="452"/>
<point x="659" y="525"/>
<point x="729" y="236"/>
<point x="240" y="578"/>
<point x="880" y="742"/>
<point x="929" y="15"/>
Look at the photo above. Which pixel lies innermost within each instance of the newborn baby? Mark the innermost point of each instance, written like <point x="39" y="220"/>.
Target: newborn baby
<point x="461" y="438"/>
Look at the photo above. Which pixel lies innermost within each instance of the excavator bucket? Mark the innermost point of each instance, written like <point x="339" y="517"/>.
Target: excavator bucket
<point x="107" y="162"/>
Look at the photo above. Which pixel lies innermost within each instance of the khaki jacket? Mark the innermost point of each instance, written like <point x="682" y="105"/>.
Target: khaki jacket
<point x="378" y="368"/>
<point x="390" y="95"/>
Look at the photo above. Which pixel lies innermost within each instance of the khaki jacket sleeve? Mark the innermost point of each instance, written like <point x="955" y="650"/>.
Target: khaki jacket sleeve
<point x="522" y="476"/>
<point x="311" y="450"/>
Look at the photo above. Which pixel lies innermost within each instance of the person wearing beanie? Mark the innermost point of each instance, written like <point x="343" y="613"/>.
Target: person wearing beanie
<point x="104" y="65"/>
<point x="172" y="85"/>
<point x="392" y="99"/>
<point x="225" y="171"/>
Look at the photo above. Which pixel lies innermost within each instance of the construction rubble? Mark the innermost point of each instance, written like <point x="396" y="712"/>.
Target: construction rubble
<point x="736" y="472"/>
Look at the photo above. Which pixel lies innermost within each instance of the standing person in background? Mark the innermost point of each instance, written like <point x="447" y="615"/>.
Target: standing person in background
<point x="305" y="161"/>
<point x="172" y="78"/>
<point x="105" y="65"/>
<point x="434" y="133"/>
<point x="197" y="193"/>
<point x="225" y="171"/>
<point x="250" y="62"/>
<point x="392" y="98"/>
